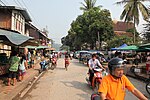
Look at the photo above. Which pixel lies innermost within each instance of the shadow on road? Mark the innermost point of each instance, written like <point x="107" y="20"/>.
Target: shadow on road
<point x="81" y="86"/>
<point x="76" y="62"/>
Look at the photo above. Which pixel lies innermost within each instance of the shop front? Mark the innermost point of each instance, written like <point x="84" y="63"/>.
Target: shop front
<point x="11" y="40"/>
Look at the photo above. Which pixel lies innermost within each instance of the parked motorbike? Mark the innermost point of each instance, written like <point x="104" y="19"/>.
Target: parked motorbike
<point x="98" y="74"/>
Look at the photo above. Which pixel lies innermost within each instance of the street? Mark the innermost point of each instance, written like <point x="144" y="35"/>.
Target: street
<point x="59" y="84"/>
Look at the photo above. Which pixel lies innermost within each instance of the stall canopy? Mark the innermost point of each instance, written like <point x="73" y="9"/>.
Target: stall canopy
<point x="122" y="46"/>
<point x="14" y="38"/>
<point x="145" y="45"/>
<point x="131" y="47"/>
<point x="135" y="48"/>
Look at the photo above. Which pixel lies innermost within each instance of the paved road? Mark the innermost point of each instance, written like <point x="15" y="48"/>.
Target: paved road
<point x="59" y="84"/>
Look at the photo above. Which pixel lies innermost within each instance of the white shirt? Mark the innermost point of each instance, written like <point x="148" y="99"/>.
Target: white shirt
<point x="94" y="63"/>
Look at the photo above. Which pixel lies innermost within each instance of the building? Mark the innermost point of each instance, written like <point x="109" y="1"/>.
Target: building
<point x="18" y="20"/>
<point x="120" y="28"/>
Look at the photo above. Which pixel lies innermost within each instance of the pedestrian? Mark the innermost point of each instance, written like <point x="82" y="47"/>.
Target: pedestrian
<point x="136" y="60"/>
<point x="66" y="62"/>
<point x="148" y="64"/>
<point x="32" y="60"/>
<point x="113" y="86"/>
<point x="14" y="62"/>
<point x="22" y="68"/>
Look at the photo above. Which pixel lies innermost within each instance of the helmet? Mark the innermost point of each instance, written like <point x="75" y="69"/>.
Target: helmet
<point x="115" y="63"/>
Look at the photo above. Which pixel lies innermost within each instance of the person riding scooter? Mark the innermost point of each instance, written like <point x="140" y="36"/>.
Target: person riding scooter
<point x="54" y="61"/>
<point x="93" y="63"/>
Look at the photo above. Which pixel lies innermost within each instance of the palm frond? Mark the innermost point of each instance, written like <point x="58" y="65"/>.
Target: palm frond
<point x="144" y="11"/>
<point x="122" y="2"/>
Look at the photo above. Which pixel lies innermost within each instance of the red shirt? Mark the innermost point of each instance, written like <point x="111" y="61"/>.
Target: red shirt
<point x="66" y="61"/>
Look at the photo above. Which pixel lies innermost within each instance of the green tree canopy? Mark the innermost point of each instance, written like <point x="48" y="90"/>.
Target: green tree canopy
<point x="84" y="30"/>
<point x="116" y="41"/>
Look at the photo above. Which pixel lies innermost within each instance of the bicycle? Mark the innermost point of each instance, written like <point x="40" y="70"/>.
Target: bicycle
<point x="137" y="71"/>
<point x="148" y="85"/>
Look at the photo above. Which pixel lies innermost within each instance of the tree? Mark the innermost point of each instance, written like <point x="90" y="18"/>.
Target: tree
<point x="131" y="11"/>
<point x="146" y="34"/>
<point x="84" y="30"/>
<point x="88" y="5"/>
<point x="116" y="41"/>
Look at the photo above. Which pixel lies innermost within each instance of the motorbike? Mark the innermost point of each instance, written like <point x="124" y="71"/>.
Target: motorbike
<point x="98" y="74"/>
<point x="54" y="63"/>
<point x="44" y="65"/>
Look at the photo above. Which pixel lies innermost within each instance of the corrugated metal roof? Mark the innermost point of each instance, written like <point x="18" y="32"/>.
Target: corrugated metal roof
<point x="14" y="37"/>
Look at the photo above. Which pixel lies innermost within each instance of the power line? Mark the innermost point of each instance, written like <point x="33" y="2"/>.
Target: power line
<point x="5" y="1"/>
<point x="19" y="3"/>
<point x="2" y="2"/>
<point x="16" y="3"/>
<point x="31" y="13"/>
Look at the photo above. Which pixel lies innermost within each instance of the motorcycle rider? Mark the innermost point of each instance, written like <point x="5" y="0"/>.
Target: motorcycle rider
<point x="113" y="86"/>
<point x="93" y="63"/>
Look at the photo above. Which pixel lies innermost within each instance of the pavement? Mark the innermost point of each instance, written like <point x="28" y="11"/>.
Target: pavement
<point x="10" y="92"/>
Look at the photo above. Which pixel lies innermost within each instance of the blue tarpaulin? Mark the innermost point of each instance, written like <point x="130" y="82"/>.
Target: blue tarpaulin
<point x="122" y="46"/>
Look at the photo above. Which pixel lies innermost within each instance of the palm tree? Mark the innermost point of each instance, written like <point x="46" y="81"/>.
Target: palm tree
<point x="131" y="11"/>
<point x="88" y="5"/>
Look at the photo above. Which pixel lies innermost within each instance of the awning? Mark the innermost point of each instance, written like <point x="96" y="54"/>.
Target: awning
<point x="42" y="47"/>
<point x="145" y="45"/>
<point x="14" y="38"/>
<point x="131" y="47"/>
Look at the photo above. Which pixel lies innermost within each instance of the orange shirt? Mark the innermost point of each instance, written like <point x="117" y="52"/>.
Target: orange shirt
<point x="115" y="88"/>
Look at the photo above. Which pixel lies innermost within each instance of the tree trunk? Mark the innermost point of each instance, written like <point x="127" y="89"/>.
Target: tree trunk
<point x="134" y="32"/>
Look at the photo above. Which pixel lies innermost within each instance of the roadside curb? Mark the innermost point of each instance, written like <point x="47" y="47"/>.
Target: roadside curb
<point x="12" y="92"/>
<point x="29" y="85"/>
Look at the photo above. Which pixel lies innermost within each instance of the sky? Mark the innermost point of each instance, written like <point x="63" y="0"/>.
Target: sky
<point x="57" y="15"/>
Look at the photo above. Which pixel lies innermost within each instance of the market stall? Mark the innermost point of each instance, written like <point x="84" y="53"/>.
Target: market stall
<point x="13" y="39"/>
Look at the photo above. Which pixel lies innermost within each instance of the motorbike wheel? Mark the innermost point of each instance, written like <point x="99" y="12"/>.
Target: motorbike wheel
<point x="97" y="85"/>
<point x="66" y="67"/>
<point x="53" y="66"/>
<point x="148" y="87"/>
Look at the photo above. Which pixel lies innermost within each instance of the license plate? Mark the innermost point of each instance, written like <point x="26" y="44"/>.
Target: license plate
<point x="137" y="70"/>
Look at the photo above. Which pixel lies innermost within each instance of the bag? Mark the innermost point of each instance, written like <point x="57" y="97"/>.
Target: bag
<point x="95" y="96"/>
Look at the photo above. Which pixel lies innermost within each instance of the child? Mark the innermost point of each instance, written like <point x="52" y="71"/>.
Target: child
<point x="66" y="62"/>
<point x="43" y="63"/>
<point x="22" y="68"/>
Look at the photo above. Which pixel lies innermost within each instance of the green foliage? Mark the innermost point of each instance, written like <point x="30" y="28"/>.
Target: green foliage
<point x="132" y="10"/>
<point x="84" y="30"/>
<point x="116" y="41"/>
<point x="89" y="4"/>
<point x="146" y="33"/>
